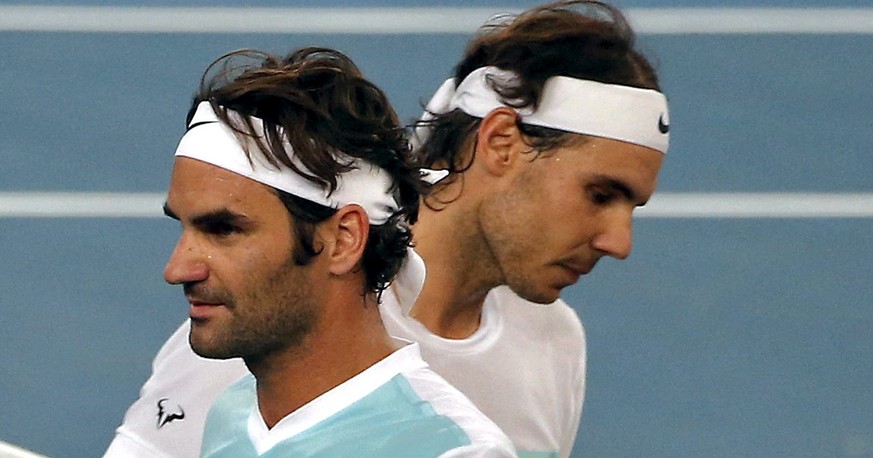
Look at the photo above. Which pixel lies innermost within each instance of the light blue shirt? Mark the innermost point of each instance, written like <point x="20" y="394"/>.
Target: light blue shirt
<point x="382" y="412"/>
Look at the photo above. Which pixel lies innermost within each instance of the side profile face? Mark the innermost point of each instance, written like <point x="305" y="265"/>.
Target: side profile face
<point x="563" y="211"/>
<point x="235" y="262"/>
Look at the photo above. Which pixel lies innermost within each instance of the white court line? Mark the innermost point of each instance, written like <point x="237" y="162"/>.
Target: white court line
<point x="662" y="205"/>
<point x="758" y="205"/>
<point x="81" y="205"/>
<point x="11" y="451"/>
<point x="408" y="20"/>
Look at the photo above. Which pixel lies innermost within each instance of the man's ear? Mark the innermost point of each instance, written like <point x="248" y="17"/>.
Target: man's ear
<point x="348" y="229"/>
<point x="499" y="142"/>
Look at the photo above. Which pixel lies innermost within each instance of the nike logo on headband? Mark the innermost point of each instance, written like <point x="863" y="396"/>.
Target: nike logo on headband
<point x="663" y="128"/>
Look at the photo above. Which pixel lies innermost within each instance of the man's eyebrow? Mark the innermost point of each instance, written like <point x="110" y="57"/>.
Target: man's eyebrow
<point x="221" y="216"/>
<point x="621" y="187"/>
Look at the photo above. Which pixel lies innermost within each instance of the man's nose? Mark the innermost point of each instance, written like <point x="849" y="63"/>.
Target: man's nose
<point x="187" y="263"/>
<point x="616" y="237"/>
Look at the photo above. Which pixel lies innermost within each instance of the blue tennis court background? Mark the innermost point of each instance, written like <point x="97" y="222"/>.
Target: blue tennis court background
<point x="718" y="337"/>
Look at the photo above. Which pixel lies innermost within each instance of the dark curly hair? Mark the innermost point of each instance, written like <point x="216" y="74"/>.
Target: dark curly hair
<point x="582" y="39"/>
<point x="317" y="100"/>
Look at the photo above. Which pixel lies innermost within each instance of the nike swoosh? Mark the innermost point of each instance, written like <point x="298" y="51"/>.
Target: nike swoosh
<point x="198" y="124"/>
<point x="663" y="128"/>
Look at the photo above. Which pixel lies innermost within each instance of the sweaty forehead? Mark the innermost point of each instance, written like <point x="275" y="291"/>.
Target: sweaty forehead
<point x="610" y="151"/>
<point x="637" y="166"/>
<point x="199" y="186"/>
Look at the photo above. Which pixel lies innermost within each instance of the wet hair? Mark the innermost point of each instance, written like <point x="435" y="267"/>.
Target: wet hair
<point x="317" y="100"/>
<point x="581" y="39"/>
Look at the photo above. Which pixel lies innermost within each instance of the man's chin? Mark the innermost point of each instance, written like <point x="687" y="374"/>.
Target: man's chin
<point x="543" y="296"/>
<point x="207" y="348"/>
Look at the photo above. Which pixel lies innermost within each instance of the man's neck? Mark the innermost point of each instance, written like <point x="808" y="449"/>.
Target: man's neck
<point x="460" y="273"/>
<point x="290" y="378"/>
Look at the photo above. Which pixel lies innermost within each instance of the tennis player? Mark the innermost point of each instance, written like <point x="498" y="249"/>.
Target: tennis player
<point x="294" y="191"/>
<point x="554" y="130"/>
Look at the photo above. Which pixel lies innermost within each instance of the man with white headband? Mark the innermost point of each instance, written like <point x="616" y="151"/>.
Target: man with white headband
<point x="294" y="186"/>
<point x="554" y="129"/>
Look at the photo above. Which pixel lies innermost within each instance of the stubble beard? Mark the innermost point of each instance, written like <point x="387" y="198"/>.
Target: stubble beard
<point x="276" y="314"/>
<point x="509" y="241"/>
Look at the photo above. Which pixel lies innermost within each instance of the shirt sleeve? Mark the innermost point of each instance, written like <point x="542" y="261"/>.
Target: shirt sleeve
<point x="168" y="418"/>
<point x="124" y="445"/>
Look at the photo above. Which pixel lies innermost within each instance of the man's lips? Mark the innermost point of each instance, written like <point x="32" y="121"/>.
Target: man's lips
<point x="578" y="269"/>
<point x="199" y="303"/>
<point x="201" y="295"/>
<point x="202" y="309"/>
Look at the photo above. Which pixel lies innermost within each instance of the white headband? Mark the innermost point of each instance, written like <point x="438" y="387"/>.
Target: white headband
<point x="613" y="111"/>
<point x="210" y="140"/>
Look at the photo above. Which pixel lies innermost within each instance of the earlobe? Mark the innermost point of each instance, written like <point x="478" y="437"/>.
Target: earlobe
<point x="499" y="141"/>
<point x="351" y="228"/>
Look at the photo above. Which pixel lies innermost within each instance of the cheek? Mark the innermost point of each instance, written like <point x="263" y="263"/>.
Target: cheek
<point x="571" y="222"/>
<point x="239" y="270"/>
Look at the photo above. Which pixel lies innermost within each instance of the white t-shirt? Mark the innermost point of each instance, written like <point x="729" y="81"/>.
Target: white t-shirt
<point x="524" y="368"/>
<point x="397" y="407"/>
<point x="167" y="420"/>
